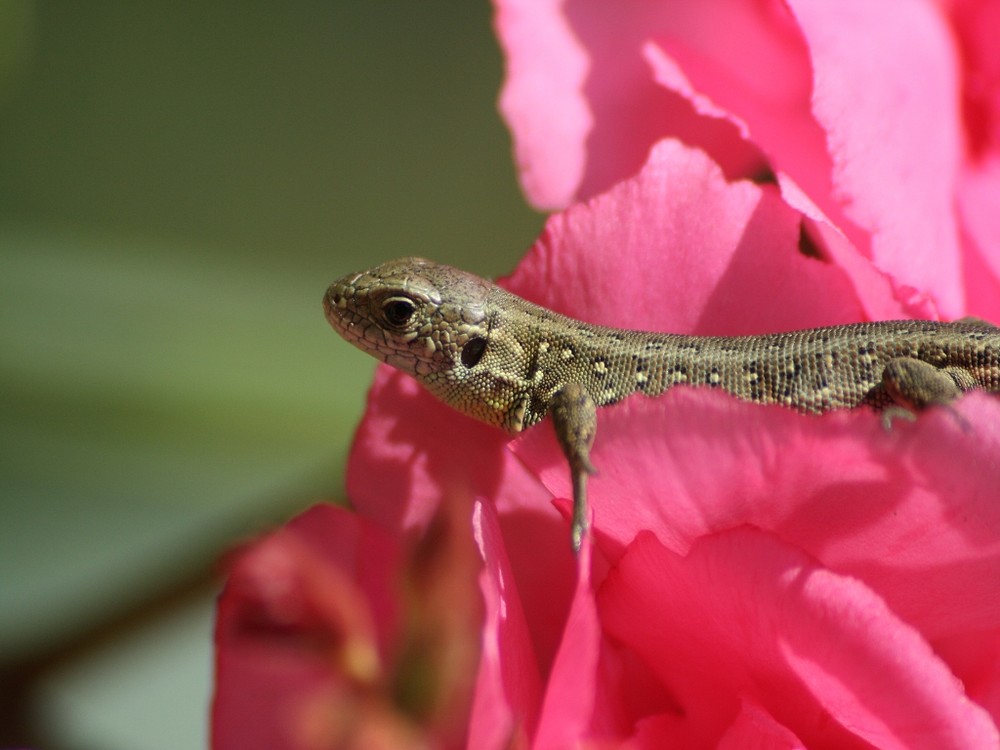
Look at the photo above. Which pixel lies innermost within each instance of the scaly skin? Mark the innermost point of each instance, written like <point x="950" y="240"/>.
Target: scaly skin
<point x="508" y="362"/>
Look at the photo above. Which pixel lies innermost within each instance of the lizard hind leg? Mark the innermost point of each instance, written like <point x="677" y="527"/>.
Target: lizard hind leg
<point x="574" y="415"/>
<point x="913" y="385"/>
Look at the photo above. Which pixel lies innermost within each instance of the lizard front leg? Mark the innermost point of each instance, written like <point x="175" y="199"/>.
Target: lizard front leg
<point x="574" y="415"/>
<point x="913" y="385"/>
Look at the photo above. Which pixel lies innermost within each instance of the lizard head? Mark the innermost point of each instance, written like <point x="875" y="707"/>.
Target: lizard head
<point x="421" y="317"/>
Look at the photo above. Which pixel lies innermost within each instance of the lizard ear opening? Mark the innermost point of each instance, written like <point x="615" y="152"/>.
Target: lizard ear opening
<point x="473" y="351"/>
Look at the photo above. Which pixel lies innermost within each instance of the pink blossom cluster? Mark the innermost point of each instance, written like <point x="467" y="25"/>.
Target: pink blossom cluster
<point x="756" y="578"/>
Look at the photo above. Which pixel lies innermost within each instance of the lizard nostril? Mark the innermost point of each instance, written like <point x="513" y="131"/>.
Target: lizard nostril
<point x="332" y="299"/>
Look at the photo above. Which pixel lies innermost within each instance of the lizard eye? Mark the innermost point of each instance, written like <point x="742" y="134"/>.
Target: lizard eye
<point x="398" y="311"/>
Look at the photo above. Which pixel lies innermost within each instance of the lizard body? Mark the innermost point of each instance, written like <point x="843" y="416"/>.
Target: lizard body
<point x="509" y="362"/>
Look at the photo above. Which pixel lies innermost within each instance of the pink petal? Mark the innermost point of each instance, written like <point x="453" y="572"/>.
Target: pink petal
<point x="698" y="120"/>
<point x="752" y="70"/>
<point x="569" y="696"/>
<point x="974" y="24"/>
<point x="411" y="451"/>
<point x="745" y="617"/>
<point x="879" y="293"/>
<point x="979" y="205"/>
<point x="297" y="619"/>
<point x="689" y="252"/>
<point x="872" y="137"/>
<point x="886" y="93"/>
<point x="402" y="461"/>
<point x="546" y="68"/>
<point x="581" y="99"/>
<point x="755" y="729"/>
<point x="508" y="686"/>
<point x="859" y="107"/>
<point x="777" y="118"/>
<point x="974" y="657"/>
<point x="913" y="512"/>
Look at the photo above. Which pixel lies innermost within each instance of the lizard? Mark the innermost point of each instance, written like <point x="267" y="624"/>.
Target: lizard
<point x="508" y="362"/>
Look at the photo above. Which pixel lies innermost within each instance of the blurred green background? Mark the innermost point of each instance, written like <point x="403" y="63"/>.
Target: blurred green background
<point x="179" y="181"/>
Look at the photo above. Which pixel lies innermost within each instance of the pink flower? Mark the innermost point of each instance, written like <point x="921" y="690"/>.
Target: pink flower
<point x="756" y="577"/>
<point x="880" y="121"/>
<point x="331" y="634"/>
<point x="810" y="581"/>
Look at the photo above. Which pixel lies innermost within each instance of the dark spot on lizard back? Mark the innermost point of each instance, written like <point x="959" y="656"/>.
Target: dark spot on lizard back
<point x="791" y="371"/>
